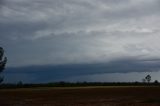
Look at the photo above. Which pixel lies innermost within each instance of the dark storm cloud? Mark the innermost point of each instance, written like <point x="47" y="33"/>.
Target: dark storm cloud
<point x="38" y="32"/>
<point x="1" y="2"/>
<point x="49" y="73"/>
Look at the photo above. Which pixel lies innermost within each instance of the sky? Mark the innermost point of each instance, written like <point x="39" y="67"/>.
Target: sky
<point x="80" y="40"/>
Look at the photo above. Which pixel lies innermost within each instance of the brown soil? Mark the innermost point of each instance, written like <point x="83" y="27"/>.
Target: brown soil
<point x="81" y="96"/>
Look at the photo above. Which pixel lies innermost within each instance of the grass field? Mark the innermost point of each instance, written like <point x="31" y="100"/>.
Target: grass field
<point x="81" y="96"/>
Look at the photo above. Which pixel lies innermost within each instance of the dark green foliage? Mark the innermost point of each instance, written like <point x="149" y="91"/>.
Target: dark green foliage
<point x="3" y="61"/>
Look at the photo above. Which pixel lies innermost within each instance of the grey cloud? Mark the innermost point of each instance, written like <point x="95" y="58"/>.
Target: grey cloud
<point x="73" y="16"/>
<point x="1" y="3"/>
<point x="78" y="47"/>
<point x="84" y="31"/>
<point x="48" y="73"/>
<point x="141" y="9"/>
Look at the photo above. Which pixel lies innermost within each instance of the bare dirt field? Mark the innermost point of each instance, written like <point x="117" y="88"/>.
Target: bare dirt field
<point x="81" y="96"/>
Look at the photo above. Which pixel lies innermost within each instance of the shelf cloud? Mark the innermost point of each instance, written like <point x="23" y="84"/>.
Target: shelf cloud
<point x="66" y="32"/>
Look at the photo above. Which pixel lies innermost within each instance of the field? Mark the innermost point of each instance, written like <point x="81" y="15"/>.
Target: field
<point x="81" y="96"/>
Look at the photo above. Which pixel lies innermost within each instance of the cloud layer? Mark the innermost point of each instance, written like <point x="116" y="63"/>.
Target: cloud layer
<point x="119" y="70"/>
<point x="66" y="32"/>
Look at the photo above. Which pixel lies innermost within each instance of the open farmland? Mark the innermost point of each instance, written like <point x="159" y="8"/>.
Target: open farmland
<point x="81" y="96"/>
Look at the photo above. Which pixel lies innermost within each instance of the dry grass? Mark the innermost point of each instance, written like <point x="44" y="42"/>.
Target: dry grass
<point x="82" y="96"/>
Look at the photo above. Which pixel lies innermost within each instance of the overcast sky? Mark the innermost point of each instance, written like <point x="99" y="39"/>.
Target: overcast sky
<point x="91" y="36"/>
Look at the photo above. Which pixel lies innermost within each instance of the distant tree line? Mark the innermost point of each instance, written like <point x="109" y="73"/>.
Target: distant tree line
<point x="77" y="84"/>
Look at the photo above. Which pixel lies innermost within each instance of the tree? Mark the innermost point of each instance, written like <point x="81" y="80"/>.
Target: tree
<point x="156" y="82"/>
<point x="3" y="61"/>
<point x="148" y="78"/>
